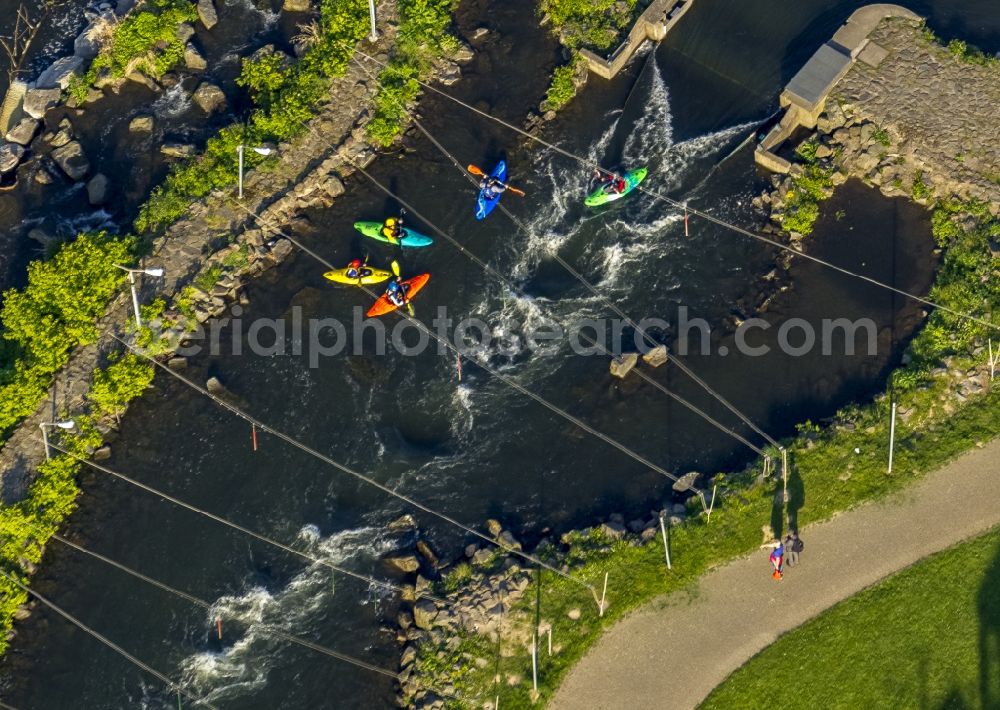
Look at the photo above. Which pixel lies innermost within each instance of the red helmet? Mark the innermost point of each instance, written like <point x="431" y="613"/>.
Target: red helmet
<point x="356" y="264"/>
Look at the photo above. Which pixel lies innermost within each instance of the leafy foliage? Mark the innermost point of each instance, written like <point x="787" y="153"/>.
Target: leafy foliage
<point x="146" y="41"/>
<point x="589" y="23"/>
<point x="118" y="384"/>
<point x="562" y="89"/>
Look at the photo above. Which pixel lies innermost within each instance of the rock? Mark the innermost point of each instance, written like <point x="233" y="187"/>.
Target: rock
<point x="424" y="613"/>
<point x="87" y="44"/>
<point x="621" y="366"/>
<point x="177" y="363"/>
<point x="97" y="189"/>
<point x="209" y="97"/>
<point x="480" y="32"/>
<point x="281" y="249"/>
<point x="686" y="482"/>
<point x="494" y="527"/>
<point x="656" y="357"/>
<point x="332" y="186"/>
<point x="102" y="454"/>
<point x="10" y="156"/>
<point x="38" y="101"/>
<point x="185" y="31"/>
<point x="823" y="151"/>
<point x="177" y="150"/>
<point x="142" y="123"/>
<point x="470" y="550"/>
<point x="482" y="556"/>
<point x="408" y="656"/>
<point x="60" y="73"/>
<point x="193" y="59"/>
<point x="449" y="74"/>
<point x="42" y="237"/>
<point x="137" y="77"/>
<point x="428" y="554"/>
<point x="207" y="14"/>
<point x="22" y="613"/>
<point x="71" y="159"/>
<point x="573" y="614"/>
<point x="615" y="531"/>
<point x="23" y="132"/>
<point x="296" y="6"/>
<point x="403" y="563"/>
<point x="509" y="540"/>
<point x="214" y="385"/>
<point x="403" y="523"/>
<point x="404" y="619"/>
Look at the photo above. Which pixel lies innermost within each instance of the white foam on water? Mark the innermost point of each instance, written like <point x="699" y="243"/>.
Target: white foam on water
<point x="173" y="102"/>
<point x="242" y="667"/>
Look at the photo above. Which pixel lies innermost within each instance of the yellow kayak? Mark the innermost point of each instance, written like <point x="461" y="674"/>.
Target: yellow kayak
<point x="369" y="276"/>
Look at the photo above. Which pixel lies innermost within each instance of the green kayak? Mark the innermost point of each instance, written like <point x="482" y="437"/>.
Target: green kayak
<point x="409" y="239"/>
<point x="604" y="194"/>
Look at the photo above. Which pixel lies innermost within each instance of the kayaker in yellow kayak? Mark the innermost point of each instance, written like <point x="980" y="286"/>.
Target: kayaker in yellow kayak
<point x="358" y="269"/>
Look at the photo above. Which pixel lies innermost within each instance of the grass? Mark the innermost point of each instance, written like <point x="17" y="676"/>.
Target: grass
<point x="928" y="637"/>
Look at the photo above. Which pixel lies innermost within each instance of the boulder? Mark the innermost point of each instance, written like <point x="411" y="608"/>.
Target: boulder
<point x="424" y="613"/>
<point x="59" y="73"/>
<point x="656" y="357"/>
<point x="494" y="527"/>
<point x="71" y="159"/>
<point x="408" y="656"/>
<point x="428" y="554"/>
<point x="137" y="77"/>
<point x="509" y="540"/>
<point x="214" y="385"/>
<point x="296" y="6"/>
<point x="480" y="32"/>
<point x="614" y="530"/>
<point x="185" y="31"/>
<point x="102" y="454"/>
<point x="23" y="132"/>
<point x="209" y="97"/>
<point x="87" y="44"/>
<point x="38" y="101"/>
<point x="177" y="150"/>
<point x="60" y="138"/>
<point x="10" y="156"/>
<point x="97" y="189"/>
<point x="193" y="59"/>
<point x="404" y="563"/>
<point x="621" y="366"/>
<point x="281" y="250"/>
<point x="573" y="614"/>
<point x="177" y="363"/>
<point x="403" y="523"/>
<point x="207" y="14"/>
<point x="141" y="124"/>
<point x="686" y="482"/>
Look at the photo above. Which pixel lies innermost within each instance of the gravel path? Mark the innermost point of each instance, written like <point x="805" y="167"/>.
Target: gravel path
<point x="675" y="650"/>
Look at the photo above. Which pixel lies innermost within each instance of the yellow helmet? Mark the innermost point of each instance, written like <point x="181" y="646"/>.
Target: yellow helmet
<point x="391" y="221"/>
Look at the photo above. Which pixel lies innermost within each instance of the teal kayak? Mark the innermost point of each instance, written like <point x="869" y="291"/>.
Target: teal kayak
<point x="409" y="238"/>
<point x="603" y="194"/>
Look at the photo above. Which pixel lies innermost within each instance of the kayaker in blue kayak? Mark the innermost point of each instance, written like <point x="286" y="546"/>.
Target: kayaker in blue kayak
<point x="491" y="187"/>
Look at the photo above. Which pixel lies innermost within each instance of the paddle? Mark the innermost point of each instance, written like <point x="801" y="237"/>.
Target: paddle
<point x="479" y="173"/>
<point x="406" y="301"/>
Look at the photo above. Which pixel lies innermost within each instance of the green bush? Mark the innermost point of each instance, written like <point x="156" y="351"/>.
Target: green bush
<point x="920" y="189"/>
<point x="122" y="381"/>
<point x="562" y="89"/>
<point x="590" y="23"/>
<point x="145" y="41"/>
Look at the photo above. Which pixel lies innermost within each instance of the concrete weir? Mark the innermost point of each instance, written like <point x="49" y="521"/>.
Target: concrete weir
<point x="653" y="24"/>
<point x="805" y="96"/>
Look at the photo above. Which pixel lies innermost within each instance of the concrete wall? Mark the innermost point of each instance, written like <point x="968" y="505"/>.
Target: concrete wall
<point x="653" y="24"/>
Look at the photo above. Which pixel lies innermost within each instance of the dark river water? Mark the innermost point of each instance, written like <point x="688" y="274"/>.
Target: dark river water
<point x="475" y="449"/>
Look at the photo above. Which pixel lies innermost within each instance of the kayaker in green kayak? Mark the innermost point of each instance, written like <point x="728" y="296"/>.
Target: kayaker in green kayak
<point x="611" y="182"/>
<point x="392" y="229"/>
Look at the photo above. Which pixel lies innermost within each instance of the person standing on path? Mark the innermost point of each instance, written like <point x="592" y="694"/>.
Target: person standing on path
<point x="793" y="546"/>
<point x="776" y="557"/>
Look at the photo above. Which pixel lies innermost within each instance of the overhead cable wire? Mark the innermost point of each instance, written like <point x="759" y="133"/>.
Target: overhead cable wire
<point x="242" y="529"/>
<point x="108" y="642"/>
<point x="696" y="212"/>
<point x="600" y="296"/>
<point x="268" y="628"/>
<point x="287" y="438"/>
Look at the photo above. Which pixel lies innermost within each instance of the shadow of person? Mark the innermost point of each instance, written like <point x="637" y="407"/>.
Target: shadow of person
<point x="783" y="509"/>
<point x="989" y="636"/>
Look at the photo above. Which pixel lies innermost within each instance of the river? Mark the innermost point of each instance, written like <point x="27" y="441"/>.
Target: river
<point x="475" y="449"/>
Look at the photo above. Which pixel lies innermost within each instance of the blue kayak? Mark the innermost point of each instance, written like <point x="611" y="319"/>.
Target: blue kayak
<point x="483" y="205"/>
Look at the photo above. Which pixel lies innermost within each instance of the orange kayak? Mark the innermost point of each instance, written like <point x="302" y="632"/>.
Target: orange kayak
<point x="383" y="305"/>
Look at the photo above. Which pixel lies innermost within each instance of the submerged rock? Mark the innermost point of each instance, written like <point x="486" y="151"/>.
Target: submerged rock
<point x="177" y="150"/>
<point x="97" y="189"/>
<point x="141" y="124"/>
